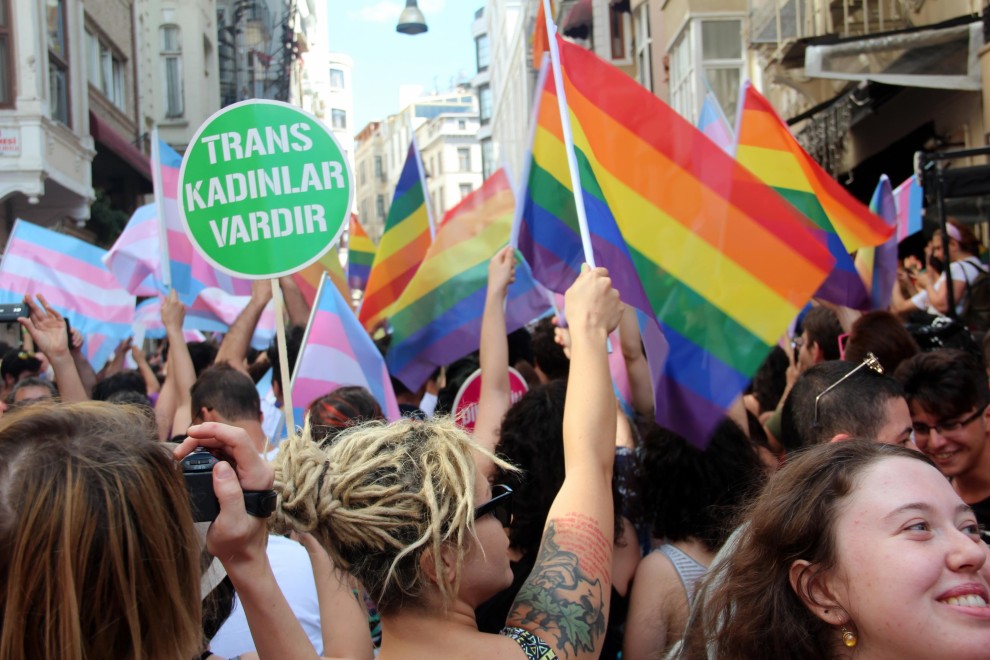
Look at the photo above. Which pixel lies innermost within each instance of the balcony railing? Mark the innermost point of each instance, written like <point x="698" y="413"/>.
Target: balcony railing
<point x="775" y="22"/>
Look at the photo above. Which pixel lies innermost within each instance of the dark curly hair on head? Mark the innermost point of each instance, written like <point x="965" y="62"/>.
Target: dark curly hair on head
<point x="548" y="355"/>
<point x="687" y="492"/>
<point x="532" y="439"/>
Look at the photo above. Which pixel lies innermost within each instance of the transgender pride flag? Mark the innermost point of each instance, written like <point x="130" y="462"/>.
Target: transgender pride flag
<point x="70" y="274"/>
<point x="188" y="272"/>
<point x="909" y="198"/>
<point x="713" y="123"/>
<point x="135" y="259"/>
<point x="336" y="351"/>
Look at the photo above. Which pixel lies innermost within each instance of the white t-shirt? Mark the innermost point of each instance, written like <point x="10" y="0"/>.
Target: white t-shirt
<point x="294" y="575"/>
<point x="962" y="271"/>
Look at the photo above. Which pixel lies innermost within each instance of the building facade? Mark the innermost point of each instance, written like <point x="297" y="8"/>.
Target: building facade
<point x="46" y="148"/>
<point x="452" y="159"/>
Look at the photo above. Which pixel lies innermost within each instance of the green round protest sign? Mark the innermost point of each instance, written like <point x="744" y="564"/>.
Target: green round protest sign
<point x="264" y="189"/>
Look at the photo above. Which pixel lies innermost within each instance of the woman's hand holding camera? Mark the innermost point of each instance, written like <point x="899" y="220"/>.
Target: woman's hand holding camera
<point x="235" y="537"/>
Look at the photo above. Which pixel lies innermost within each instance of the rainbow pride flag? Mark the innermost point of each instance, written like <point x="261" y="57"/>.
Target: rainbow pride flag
<point x="723" y="263"/>
<point x="407" y="236"/>
<point x="308" y="279"/>
<point x="336" y="351"/>
<point x="438" y="317"/>
<point x="767" y="148"/>
<point x="360" y="255"/>
<point x="878" y="266"/>
<point x="72" y="277"/>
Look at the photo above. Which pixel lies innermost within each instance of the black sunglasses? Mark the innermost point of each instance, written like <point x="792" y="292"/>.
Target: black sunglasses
<point x="499" y="506"/>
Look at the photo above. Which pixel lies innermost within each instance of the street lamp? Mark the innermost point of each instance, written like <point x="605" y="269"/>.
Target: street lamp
<point x="411" y="20"/>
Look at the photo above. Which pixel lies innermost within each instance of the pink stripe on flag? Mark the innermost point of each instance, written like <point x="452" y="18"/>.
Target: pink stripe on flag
<point x="45" y="257"/>
<point x="58" y="297"/>
<point x="326" y="325"/>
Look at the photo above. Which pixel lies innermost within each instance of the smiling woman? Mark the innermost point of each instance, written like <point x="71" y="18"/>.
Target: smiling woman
<point x="852" y="544"/>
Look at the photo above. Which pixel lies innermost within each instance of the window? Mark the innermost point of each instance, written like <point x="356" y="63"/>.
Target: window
<point x="338" y="118"/>
<point x="708" y="54"/>
<point x="58" y="60"/>
<point x="617" y="24"/>
<point x="336" y="78"/>
<point x="482" y="52"/>
<point x="644" y="64"/>
<point x="681" y="72"/>
<point x="487" y="158"/>
<point x="379" y="172"/>
<point x="380" y="207"/>
<point x="439" y="168"/>
<point x="722" y="60"/>
<point x="172" y="60"/>
<point x="485" y="103"/>
<point x="362" y="177"/>
<point x="461" y="124"/>
<point x="6" y="56"/>
<point x="464" y="159"/>
<point x="106" y="70"/>
<point x="466" y="189"/>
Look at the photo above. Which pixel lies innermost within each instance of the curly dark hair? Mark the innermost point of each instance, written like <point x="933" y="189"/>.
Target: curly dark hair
<point x="548" y="355"/>
<point x="532" y="439"/>
<point x="688" y="492"/>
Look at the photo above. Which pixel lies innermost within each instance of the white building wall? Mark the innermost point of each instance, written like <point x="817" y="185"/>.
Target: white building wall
<point x="512" y="80"/>
<point x="197" y="24"/>
<point x="441" y="141"/>
<point x="45" y="172"/>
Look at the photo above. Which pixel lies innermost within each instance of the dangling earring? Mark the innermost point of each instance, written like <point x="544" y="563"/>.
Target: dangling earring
<point x="849" y="637"/>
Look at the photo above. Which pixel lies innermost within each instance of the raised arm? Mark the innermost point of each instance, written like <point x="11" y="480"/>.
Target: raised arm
<point x="565" y="599"/>
<point x="233" y="348"/>
<point x="47" y="329"/>
<point x="85" y="369"/>
<point x="637" y="367"/>
<point x="180" y="368"/>
<point x="295" y="303"/>
<point x="495" y="400"/>
<point x="239" y="540"/>
<point x="141" y="360"/>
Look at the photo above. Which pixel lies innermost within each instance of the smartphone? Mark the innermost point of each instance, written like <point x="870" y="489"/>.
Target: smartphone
<point x="10" y="329"/>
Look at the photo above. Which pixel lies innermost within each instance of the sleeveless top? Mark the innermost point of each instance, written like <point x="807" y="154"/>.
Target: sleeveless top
<point x="688" y="570"/>
<point x="534" y="647"/>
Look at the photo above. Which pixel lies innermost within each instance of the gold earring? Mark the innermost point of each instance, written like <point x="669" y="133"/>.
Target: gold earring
<point x="849" y="637"/>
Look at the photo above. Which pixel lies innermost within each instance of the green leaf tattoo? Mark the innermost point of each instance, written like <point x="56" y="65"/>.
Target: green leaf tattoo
<point x="564" y="601"/>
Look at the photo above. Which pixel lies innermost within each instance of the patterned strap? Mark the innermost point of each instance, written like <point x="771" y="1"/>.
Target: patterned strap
<point x="534" y="647"/>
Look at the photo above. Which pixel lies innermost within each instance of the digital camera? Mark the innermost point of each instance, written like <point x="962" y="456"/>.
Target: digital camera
<point x="197" y="469"/>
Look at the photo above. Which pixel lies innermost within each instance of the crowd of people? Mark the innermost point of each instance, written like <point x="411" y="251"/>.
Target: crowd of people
<point x="838" y="510"/>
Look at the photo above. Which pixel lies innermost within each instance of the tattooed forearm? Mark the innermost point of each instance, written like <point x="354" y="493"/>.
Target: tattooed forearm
<point x="566" y="595"/>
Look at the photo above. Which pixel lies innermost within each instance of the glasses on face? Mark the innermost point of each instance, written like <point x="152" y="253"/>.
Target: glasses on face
<point x="797" y="342"/>
<point x="924" y="430"/>
<point x="499" y="506"/>
<point x="869" y="361"/>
